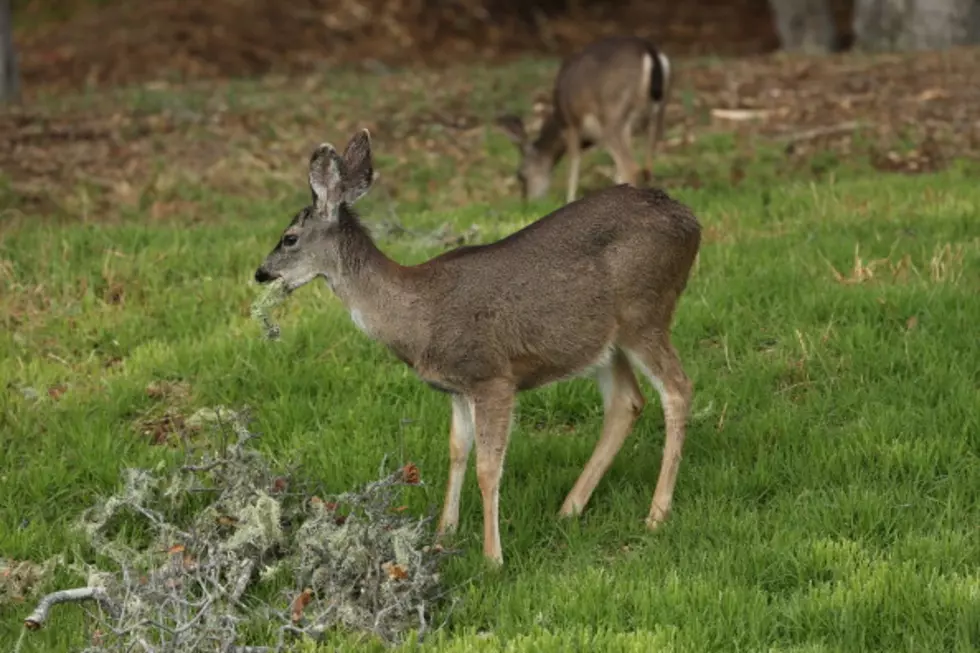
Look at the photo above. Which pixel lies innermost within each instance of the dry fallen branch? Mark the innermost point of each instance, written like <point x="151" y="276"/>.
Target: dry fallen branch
<point x="740" y="115"/>
<point x="225" y="522"/>
<point x="819" y="132"/>
<point x="37" y="618"/>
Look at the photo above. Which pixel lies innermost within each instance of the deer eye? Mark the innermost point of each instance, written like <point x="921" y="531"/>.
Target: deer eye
<point x="289" y="240"/>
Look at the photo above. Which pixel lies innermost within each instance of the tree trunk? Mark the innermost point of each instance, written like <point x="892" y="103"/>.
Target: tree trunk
<point x="915" y="24"/>
<point x="804" y="25"/>
<point x="9" y="81"/>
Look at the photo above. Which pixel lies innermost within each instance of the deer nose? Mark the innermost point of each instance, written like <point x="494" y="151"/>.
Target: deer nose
<point x="262" y="276"/>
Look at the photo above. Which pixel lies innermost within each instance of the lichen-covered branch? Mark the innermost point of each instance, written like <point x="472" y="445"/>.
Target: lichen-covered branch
<point x="36" y="619"/>
<point x="224" y="522"/>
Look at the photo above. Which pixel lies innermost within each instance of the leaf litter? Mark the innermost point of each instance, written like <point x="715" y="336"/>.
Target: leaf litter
<point x="96" y="157"/>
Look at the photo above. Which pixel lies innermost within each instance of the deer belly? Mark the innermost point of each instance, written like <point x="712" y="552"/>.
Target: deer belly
<point x="535" y="370"/>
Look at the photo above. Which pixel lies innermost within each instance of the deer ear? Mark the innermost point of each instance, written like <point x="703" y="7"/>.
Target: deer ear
<point x="326" y="180"/>
<point x="513" y="127"/>
<point x="359" y="167"/>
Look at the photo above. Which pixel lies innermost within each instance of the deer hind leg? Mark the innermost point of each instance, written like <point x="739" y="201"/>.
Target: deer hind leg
<point x="493" y="409"/>
<point x="461" y="436"/>
<point x="658" y="360"/>
<point x="573" y="146"/>
<point x="657" y="110"/>
<point x="622" y="403"/>
<point x="652" y="136"/>
<point x="618" y="145"/>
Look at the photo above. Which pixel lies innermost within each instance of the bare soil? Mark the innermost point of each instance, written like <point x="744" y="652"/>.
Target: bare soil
<point x="907" y="112"/>
<point x="115" y="42"/>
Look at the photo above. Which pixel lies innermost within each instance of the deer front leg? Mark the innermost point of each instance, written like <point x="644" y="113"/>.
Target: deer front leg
<point x="461" y="436"/>
<point x="492" y="410"/>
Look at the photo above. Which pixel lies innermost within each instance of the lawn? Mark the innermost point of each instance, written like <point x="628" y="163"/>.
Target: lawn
<point x="828" y="496"/>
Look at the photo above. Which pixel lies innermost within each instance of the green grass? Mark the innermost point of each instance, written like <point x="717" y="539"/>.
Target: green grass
<point x="828" y="496"/>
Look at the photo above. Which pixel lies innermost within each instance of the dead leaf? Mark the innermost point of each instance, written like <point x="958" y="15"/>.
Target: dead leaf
<point x="395" y="571"/>
<point x="160" y="429"/>
<point x="57" y="391"/>
<point x="279" y="485"/>
<point x="411" y="474"/>
<point x="299" y="604"/>
<point x="114" y="294"/>
<point x="317" y="501"/>
<point x="163" y="389"/>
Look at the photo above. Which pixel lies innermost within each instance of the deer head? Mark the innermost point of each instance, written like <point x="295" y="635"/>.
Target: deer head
<point x="537" y="156"/>
<point x="310" y="246"/>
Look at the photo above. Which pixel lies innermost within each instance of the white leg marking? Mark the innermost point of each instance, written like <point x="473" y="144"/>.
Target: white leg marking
<point x="606" y="379"/>
<point x="653" y="378"/>
<point x="573" y="173"/>
<point x="665" y="65"/>
<point x="646" y="80"/>
<point x="358" y="318"/>
<point x="464" y="433"/>
<point x="591" y="127"/>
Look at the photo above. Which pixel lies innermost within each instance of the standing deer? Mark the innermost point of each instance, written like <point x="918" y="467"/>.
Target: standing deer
<point x="600" y="95"/>
<point x="589" y="289"/>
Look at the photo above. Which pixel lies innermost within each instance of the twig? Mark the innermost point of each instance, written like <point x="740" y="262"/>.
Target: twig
<point x="40" y="614"/>
<point x="817" y="132"/>
<point x="243" y="579"/>
<point x="204" y="468"/>
<point x="423" y="625"/>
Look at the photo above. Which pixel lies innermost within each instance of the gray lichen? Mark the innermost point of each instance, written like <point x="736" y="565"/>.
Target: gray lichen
<point x="225" y="521"/>
<point x="273" y="294"/>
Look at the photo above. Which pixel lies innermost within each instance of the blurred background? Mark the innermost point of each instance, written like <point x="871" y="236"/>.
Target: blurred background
<point x="210" y="89"/>
<point x="75" y="43"/>
<point x="78" y="42"/>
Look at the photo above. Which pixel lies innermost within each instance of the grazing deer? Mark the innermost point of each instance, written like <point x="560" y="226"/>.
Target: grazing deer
<point x="601" y="94"/>
<point x="588" y="289"/>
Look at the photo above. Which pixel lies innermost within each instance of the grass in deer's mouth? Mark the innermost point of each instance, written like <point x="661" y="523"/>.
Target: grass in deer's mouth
<point x="272" y="295"/>
<point x="827" y="498"/>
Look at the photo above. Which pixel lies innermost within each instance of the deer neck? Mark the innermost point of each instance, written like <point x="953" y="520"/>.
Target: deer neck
<point x="377" y="291"/>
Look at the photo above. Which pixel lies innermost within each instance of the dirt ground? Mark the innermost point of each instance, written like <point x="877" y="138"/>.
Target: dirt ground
<point x="110" y="42"/>
<point x="910" y="113"/>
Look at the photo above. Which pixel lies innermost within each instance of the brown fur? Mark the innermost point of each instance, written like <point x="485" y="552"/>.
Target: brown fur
<point x="601" y="95"/>
<point x="590" y="288"/>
